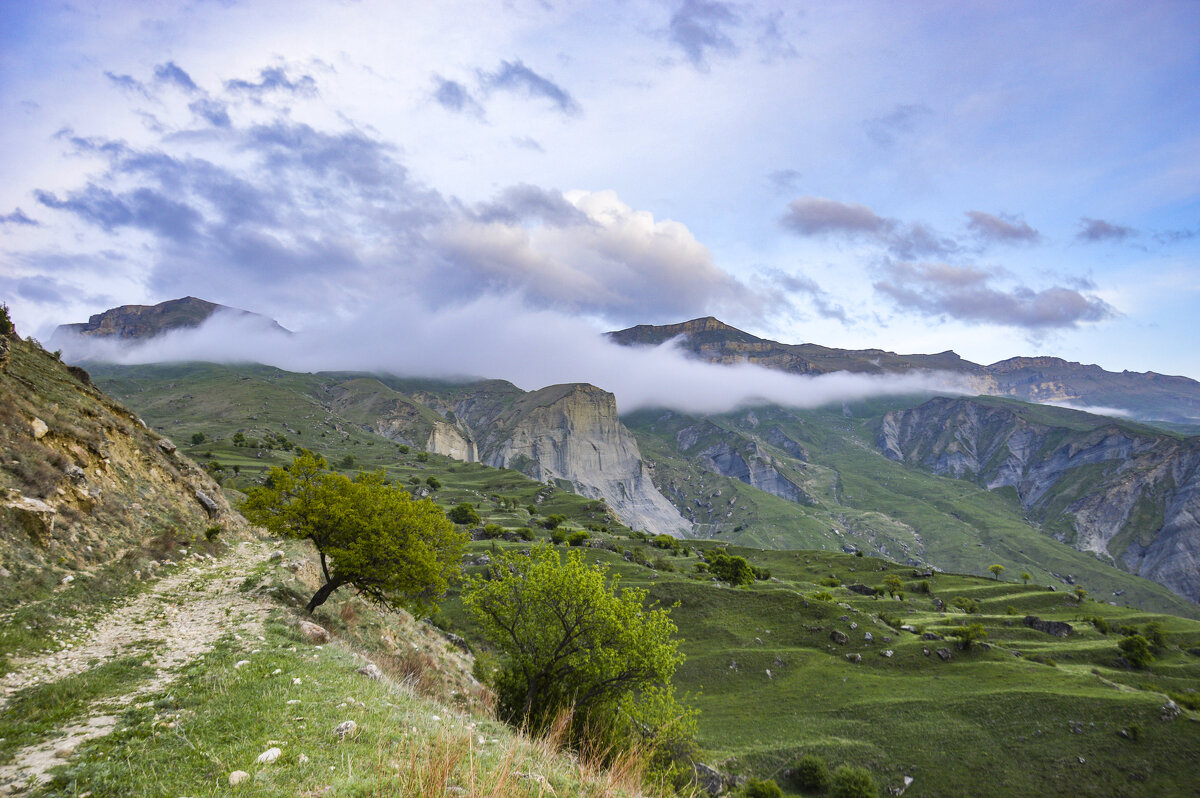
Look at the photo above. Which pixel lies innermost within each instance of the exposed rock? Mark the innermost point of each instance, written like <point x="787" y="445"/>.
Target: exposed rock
<point x="870" y="638"/>
<point x="269" y="756"/>
<point x="458" y="642"/>
<point x="711" y="780"/>
<point x="854" y="657"/>
<point x="887" y="653"/>
<point x="314" y="632"/>
<point x="75" y="473"/>
<point x="1170" y="710"/>
<point x="1056" y="628"/>
<point x="39" y="428"/>
<point x="237" y="777"/>
<point x="839" y="637"/>
<point x="210" y="506"/>
<point x="862" y="590"/>
<point x="275" y="556"/>
<point x="371" y="671"/>
<point x="944" y="653"/>
<point x="346" y="727"/>
<point x="167" y="446"/>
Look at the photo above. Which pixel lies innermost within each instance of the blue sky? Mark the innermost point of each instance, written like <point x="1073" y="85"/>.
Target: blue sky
<point x="994" y="178"/>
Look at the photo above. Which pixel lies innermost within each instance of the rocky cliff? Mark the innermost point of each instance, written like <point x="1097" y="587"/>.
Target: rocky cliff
<point x="84" y="483"/>
<point x="1112" y="489"/>
<point x="147" y="321"/>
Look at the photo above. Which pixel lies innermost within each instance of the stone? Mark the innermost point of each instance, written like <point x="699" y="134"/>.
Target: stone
<point x="458" y="642"/>
<point x="65" y="751"/>
<point x="303" y="759"/>
<point x="931" y="636"/>
<point x="68" y="579"/>
<point x="210" y="506"/>
<point x="862" y="590"/>
<point x="346" y="727"/>
<point x="711" y="780"/>
<point x="76" y="474"/>
<point x="269" y="756"/>
<point x="1056" y="628"/>
<point x="275" y="556"/>
<point x="870" y="638"/>
<point x="904" y="627"/>
<point x="167" y="446"/>
<point x="839" y="637"/>
<point x="887" y="653"/>
<point x="853" y="625"/>
<point x="1171" y="710"/>
<point x="237" y="777"/>
<point x="371" y="671"/>
<point x="944" y="653"/>
<point x="314" y="632"/>
<point x="854" y="657"/>
<point x="925" y="650"/>
<point x="39" y="428"/>
<point x="241" y="663"/>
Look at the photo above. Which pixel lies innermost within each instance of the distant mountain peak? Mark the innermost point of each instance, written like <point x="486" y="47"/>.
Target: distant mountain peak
<point x="133" y="322"/>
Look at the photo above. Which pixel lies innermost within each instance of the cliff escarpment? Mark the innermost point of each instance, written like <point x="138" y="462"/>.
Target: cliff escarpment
<point x="1116" y="490"/>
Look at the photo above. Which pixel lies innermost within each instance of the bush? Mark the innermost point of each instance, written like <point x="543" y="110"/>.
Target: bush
<point x="553" y="521"/>
<point x="211" y="533"/>
<point x="577" y="538"/>
<point x="762" y="789"/>
<point x="968" y="635"/>
<point x="434" y="483"/>
<point x="732" y="569"/>
<point x="811" y="773"/>
<point x="197" y="438"/>
<point x="822" y="596"/>
<point x="492" y="531"/>
<point x="403" y="448"/>
<point x="853" y="782"/>
<point x="1136" y="650"/>
<point x="422" y="457"/>
<point x="463" y="514"/>
<point x="6" y="325"/>
<point x="1153" y="632"/>
<point x="525" y="533"/>
<point x="1100" y="623"/>
<point x="830" y="581"/>
<point x="967" y="605"/>
<point x="558" y="536"/>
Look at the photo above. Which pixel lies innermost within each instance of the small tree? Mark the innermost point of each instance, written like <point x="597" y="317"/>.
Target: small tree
<point x="853" y="782"/>
<point x="463" y="514"/>
<point x="434" y="483"/>
<point x="968" y="635"/>
<point x="197" y="438"/>
<point x="996" y="570"/>
<point x="394" y="551"/>
<point x="893" y="584"/>
<point x="762" y="789"/>
<point x="811" y="773"/>
<point x="1026" y="576"/>
<point x="1080" y="594"/>
<point x="572" y="641"/>
<point x="732" y="569"/>
<point x="1136" y="650"/>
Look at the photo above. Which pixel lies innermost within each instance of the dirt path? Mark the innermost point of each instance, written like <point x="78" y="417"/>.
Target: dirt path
<point x="180" y="618"/>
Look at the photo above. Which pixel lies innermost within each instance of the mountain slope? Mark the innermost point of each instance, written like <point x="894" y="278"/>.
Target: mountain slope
<point x="1148" y="396"/>
<point x="1111" y="489"/>
<point x="137" y="322"/>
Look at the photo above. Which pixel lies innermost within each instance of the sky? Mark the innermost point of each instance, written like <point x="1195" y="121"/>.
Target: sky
<point x="999" y="179"/>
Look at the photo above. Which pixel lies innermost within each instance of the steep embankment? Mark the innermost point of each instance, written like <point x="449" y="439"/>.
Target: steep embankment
<point x="1102" y="487"/>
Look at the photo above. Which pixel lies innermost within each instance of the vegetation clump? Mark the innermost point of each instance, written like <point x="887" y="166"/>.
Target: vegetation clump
<point x="811" y="773"/>
<point x="394" y="551"/>
<point x="756" y="788"/>
<point x="853" y="782"/>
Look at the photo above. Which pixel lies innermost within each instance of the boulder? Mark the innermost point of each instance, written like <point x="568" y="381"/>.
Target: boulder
<point x="346" y="727"/>
<point x="269" y="756"/>
<point x="887" y="653"/>
<point x="711" y="780"/>
<point x="371" y="671"/>
<point x="314" y="632"/>
<point x="210" y="506"/>
<point x="862" y="590"/>
<point x="237" y="777"/>
<point x="167" y="446"/>
<point x="1171" y="710"/>
<point x="39" y="428"/>
<point x="1056" y="628"/>
<point x="870" y="638"/>
<point x="931" y="636"/>
<point x="854" y="657"/>
<point x="839" y="637"/>
<point x="944" y="653"/>
<point x="458" y="642"/>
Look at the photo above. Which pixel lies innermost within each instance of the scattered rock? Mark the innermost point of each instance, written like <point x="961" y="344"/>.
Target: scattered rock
<point x="931" y="636"/>
<point x="854" y="657"/>
<point x="207" y="503"/>
<point x="275" y="556"/>
<point x="908" y="628"/>
<point x="240" y="663"/>
<point x="166" y="446"/>
<point x="839" y="637"/>
<point x="1171" y="710"/>
<point x="853" y="625"/>
<point x="237" y="777"/>
<point x="862" y="590"/>
<point x="269" y="756"/>
<point x="1056" y="628"/>
<point x="39" y="428"/>
<point x="944" y="653"/>
<point x="925" y="650"/>
<point x="371" y="671"/>
<point x="870" y="638"/>
<point x="314" y="632"/>
<point x="302" y="759"/>
<point x="887" y="653"/>
<point x="458" y="642"/>
<point x="76" y="474"/>
<point x="68" y="579"/>
<point x="65" y="751"/>
<point x="908" y="780"/>
<point x="346" y="727"/>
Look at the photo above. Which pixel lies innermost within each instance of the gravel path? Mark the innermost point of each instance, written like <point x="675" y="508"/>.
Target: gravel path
<point x="178" y="619"/>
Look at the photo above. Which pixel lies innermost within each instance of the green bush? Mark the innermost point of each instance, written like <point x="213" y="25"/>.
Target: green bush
<point x="525" y="533"/>
<point x="822" y="596"/>
<point x="1153" y="632"/>
<point x="492" y="531"/>
<point x="197" y="438"/>
<point x="422" y="457"/>
<point x="577" y="538"/>
<point x="1100" y="623"/>
<point x="967" y="605"/>
<point x="762" y="789"/>
<point x="463" y="514"/>
<point x="1136" y="650"/>
<point x="557" y="536"/>
<point x="6" y="325"/>
<point x="434" y="483"/>
<point x="830" y="581"/>
<point x="403" y="448"/>
<point x="732" y="569"/>
<point x="211" y="533"/>
<point x="853" y="782"/>
<point x="811" y="773"/>
<point x="968" y="636"/>
<point x="553" y="521"/>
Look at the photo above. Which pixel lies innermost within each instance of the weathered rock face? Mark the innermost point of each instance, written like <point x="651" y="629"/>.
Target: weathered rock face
<point x="147" y="321"/>
<point x="1056" y="628"/>
<point x="738" y="456"/>
<point x="572" y="433"/>
<point x="1103" y="487"/>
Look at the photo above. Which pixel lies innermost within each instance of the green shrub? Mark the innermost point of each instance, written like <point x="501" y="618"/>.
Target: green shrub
<point x="403" y="448"/>
<point x="732" y="569"/>
<point x="422" y="457"/>
<point x="525" y="533"/>
<point x="1100" y="623"/>
<point x="1153" y="632"/>
<point x="557" y="536"/>
<point x="663" y="564"/>
<point x="923" y="587"/>
<point x="822" y="596"/>
<point x="968" y="635"/>
<point x="211" y="533"/>
<point x="762" y="789"/>
<point x="463" y="514"/>
<point x="859" y="553"/>
<point x="830" y="581"/>
<point x="853" y="782"/>
<point x="492" y="531"/>
<point x="434" y="483"/>
<point x="197" y="438"/>
<point x="967" y="605"/>
<point x="553" y="521"/>
<point x="6" y="325"/>
<point x="811" y="773"/>
<point x="577" y="538"/>
<point x="1011" y="610"/>
<point x="1042" y="660"/>
<point x="1136" y="650"/>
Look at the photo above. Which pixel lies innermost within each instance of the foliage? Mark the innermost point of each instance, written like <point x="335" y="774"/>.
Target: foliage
<point x="893" y="584"/>
<point x="966" y="604"/>
<point x="558" y="536"/>
<point x="1080" y="594"/>
<point x="853" y="782"/>
<point x="996" y="570"/>
<point x="434" y="483"/>
<point x="572" y="642"/>
<point x="197" y="438"/>
<point x="1153" y="632"/>
<point x="811" y="773"/>
<point x="732" y="569"/>
<point x="830" y="581"/>
<point x="1101" y="624"/>
<point x="1025" y="577"/>
<point x="6" y="325"/>
<point x="394" y="551"/>
<point x="968" y="635"/>
<point x="553" y="521"/>
<point x="525" y="533"/>
<point x="492" y="531"/>
<point x="823" y="595"/>
<point x="463" y="514"/>
<point x="1136" y="650"/>
<point x="577" y="538"/>
<point x="762" y="789"/>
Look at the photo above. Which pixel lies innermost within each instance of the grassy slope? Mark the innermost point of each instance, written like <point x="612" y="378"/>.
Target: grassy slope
<point x="864" y="500"/>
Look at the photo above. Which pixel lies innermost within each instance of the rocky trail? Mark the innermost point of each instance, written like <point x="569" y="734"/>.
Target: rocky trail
<point x="180" y="618"/>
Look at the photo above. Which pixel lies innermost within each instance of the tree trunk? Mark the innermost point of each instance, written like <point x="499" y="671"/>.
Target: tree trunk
<point x="324" y="593"/>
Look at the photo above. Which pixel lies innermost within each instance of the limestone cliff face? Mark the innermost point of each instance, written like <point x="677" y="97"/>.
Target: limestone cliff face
<point x="148" y="321"/>
<point x="571" y="433"/>
<point x="1113" y="490"/>
<point x="738" y="456"/>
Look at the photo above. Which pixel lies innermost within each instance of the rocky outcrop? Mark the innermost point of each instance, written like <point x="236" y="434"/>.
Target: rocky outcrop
<point x="1103" y="487"/>
<point x="147" y="321"/>
<point x="1056" y="628"/>
<point x="571" y="433"/>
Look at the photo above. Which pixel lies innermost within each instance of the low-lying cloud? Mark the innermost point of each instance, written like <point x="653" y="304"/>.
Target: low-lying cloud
<point x="501" y="338"/>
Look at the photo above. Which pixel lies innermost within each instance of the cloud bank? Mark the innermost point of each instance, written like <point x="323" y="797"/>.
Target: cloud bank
<point x="501" y="338"/>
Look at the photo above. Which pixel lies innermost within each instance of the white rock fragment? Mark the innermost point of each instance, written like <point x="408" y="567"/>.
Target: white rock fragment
<point x="240" y="663"/>
<point x="344" y="728"/>
<point x="269" y="756"/>
<point x="237" y="777"/>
